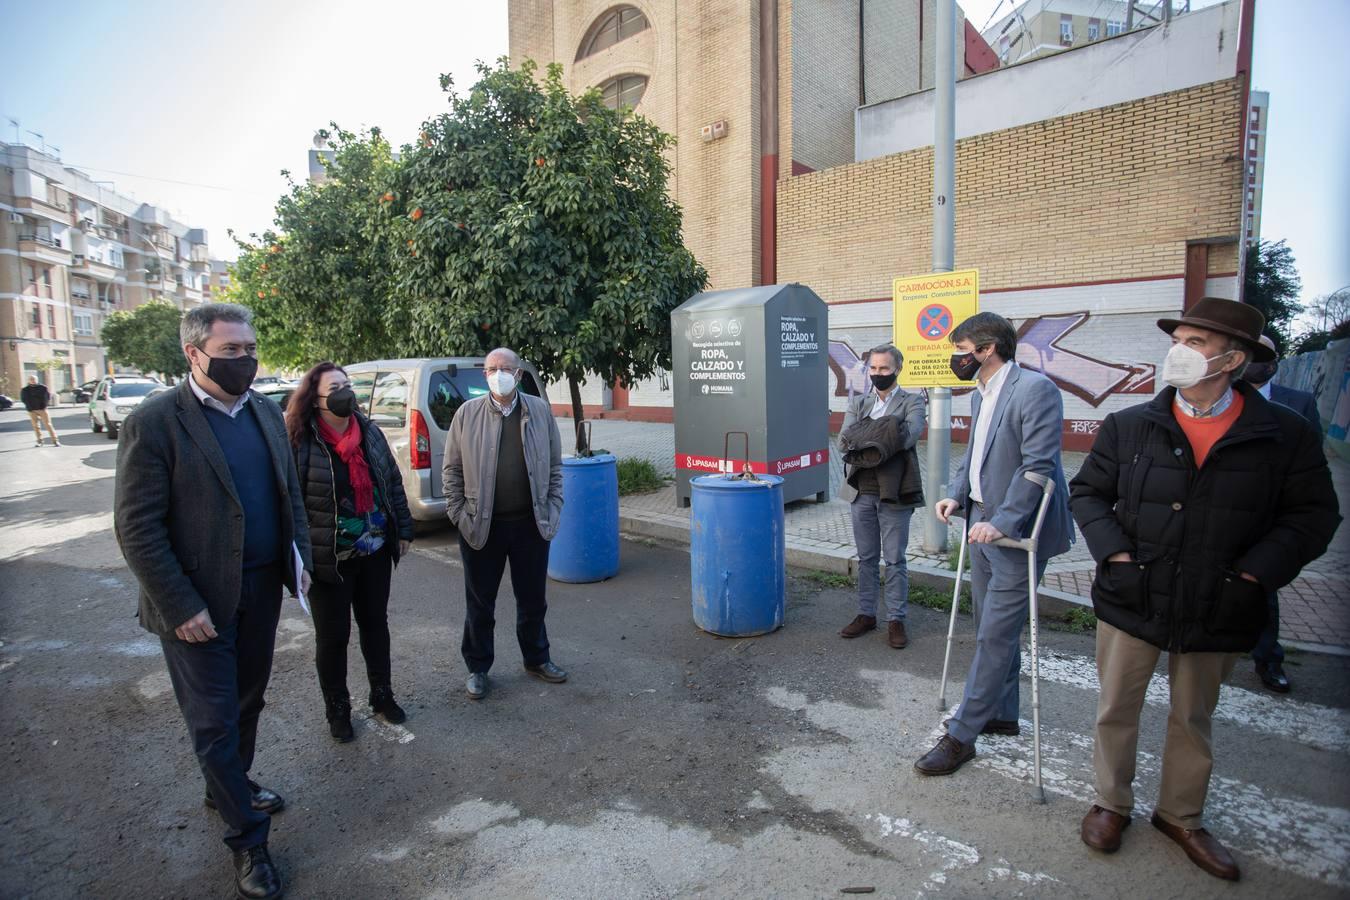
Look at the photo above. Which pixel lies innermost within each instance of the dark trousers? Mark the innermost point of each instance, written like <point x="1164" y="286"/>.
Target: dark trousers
<point x="518" y="542"/>
<point x="363" y="592"/>
<point x="220" y="685"/>
<point x="1268" y="649"/>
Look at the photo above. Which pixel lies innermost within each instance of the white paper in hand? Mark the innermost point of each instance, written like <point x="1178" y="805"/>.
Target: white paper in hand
<point x="299" y="566"/>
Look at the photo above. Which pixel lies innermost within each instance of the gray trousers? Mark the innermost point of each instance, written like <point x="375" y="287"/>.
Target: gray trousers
<point x="881" y="530"/>
<point x="998" y="588"/>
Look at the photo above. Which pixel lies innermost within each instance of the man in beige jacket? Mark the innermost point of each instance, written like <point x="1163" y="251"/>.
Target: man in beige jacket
<point x="503" y="489"/>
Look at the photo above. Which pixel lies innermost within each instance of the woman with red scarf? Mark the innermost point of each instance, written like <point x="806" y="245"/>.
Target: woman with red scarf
<point x="359" y="527"/>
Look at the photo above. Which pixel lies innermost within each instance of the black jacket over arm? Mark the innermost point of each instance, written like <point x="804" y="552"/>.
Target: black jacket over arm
<point x="178" y="520"/>
<point x="1262" y="504"/>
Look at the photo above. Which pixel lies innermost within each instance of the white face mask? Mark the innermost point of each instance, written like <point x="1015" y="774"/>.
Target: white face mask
<point x="1185" y="367"/>
<point x="501" y="383"/>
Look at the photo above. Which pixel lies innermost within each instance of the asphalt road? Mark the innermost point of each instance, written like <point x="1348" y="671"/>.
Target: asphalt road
<point x="672" y="764"/>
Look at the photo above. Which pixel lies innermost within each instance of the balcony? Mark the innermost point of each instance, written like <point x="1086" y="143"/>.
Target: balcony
<point x="44" y="248"/>
<point x="93" y="268"/>
<point x="54" y="210"/>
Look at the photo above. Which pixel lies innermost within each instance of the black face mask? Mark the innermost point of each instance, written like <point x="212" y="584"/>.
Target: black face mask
<point x="1259" y="373"/>
<point x="965" y="365"/>
<point x="233" y="374"/>
<point x="341" y="402"/>
<point x="883" y="382"/>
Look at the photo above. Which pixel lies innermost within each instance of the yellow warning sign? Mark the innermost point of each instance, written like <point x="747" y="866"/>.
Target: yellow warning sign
<point x="927" y="308"/>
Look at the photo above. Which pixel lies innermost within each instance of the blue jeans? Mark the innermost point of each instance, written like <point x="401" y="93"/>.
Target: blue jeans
<point x="1268" y="650"/>
<point x="881" y="529"/>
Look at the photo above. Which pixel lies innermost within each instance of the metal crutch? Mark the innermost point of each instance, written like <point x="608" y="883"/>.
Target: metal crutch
<point x="1029" y="544"/>
<point x="951" y="623"/>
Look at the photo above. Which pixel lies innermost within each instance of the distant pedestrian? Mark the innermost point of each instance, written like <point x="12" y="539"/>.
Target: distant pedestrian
<point x="36" y="397"/>
<point x="359" y="527"/>
<point x="1016" y="427"/>
<point x="1268" y="655"/>
<point x="209" y="515"/>
<point x="503" y="489"/>
<point x="880" y="430"/>
<point x="1196" y="505"/>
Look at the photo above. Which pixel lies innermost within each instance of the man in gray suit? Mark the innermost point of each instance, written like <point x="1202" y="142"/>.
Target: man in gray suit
<point x="1016" y="425"/>
<point x="880" y="509"/>
<point x="209" y="515"/>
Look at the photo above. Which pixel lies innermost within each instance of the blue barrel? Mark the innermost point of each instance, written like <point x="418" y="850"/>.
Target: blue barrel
<point x="736" y="554"/>
<point x="586" y="547"/>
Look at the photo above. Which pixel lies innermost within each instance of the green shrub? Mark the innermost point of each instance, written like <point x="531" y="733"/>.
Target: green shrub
<point x="639" y="476"/>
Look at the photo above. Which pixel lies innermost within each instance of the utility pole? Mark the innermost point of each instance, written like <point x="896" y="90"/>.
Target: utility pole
<point x="944" y="260"/>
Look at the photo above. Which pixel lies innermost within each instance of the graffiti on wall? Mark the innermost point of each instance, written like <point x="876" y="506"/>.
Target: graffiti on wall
<point x="1090" y="379"/>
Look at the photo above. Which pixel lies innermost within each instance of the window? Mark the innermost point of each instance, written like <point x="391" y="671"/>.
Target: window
<point x="84" y="323"/>
<point x="1114" y="28"/>
<point x="446" y="393"/>
<point x="623" y="91"/>
<point x="31" y="272"/>
<point x="1066" y="29"/>
<point x="1094" y="29"/>
<point x="79" y="289"/>
<point x="36" y="320"/>
<point x="389" y="403"/>
<point x="363" y="383"/>
<point x="115" y="258"/>
<point x="616" y="25"/>
<point x="1003" y="44"/>
<point x="51" y="318"/>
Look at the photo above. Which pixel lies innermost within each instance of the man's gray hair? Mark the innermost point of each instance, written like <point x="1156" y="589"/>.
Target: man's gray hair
<point x="505" y="351"/>
<point x="1247" y="355"/>
<point x="196" y="325"/>
<point x="897" y="358"/>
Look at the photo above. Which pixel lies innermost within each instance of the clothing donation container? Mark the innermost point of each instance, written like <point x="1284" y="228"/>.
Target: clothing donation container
<point x="753" y="360"/>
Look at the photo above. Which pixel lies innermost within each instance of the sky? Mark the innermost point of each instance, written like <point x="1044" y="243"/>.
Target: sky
<point x="198" y="106"/>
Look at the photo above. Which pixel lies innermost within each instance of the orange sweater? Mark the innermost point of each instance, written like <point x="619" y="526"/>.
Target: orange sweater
<point x="1205" y="433"/>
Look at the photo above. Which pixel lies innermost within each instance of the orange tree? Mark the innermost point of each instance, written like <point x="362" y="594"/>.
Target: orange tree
<point x="532" y="218"/>
<point x="319" y="282"/>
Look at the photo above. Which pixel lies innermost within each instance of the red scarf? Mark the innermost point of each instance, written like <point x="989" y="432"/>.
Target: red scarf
<point x="348" y="447"/>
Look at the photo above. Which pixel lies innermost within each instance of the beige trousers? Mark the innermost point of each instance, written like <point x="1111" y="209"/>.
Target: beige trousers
<point x="1124" y="666"/>
<point x="39" y="418"/>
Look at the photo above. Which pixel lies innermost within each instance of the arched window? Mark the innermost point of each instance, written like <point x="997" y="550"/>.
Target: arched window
<point x="619" y="23"/>
<point x="623" y="91"/>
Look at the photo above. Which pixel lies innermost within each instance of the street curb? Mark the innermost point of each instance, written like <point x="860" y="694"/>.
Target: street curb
<point x="674" y="530"/>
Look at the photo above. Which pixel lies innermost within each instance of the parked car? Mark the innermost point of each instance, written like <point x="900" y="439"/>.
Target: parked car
<point x="5" y="402"/>
<point x="413" y="401"/>
<point x="82" y="394"/>
<point x="280" y="391"/>
<point x="116" y="396"/>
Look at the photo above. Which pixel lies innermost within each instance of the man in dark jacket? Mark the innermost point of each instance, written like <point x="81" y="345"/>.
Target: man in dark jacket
<point x="882" y="498"/>
<point x="1195" y="506"/>
<point x="35" y="397"/>
<point x="1268" y="655"/>
<point x="209" y="515"/>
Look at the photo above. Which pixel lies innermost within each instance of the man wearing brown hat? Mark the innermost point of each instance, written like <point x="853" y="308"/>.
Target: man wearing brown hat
<point x="1195" y="506"/>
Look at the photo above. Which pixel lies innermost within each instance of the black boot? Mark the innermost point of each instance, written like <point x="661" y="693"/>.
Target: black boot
<point x="340" y="717"/>
<point x="382" y="702"/>
<point x="255" y="878"/>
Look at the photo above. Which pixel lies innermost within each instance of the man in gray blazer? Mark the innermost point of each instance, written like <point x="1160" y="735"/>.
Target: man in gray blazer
<point x="1016" y="426"/>
<point x="881" y="523"/>
<point x="209" y="515"/>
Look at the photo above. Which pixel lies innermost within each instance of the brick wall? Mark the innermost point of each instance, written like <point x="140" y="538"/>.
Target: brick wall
<point x="1080" y="198"/>
<point x="824" y="81"/>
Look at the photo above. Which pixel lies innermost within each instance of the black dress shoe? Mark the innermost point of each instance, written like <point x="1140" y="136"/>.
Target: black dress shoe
<point x="382" y="702"/>
<point x="1272" y="676"/>
<point x="264" y="800"/>
<point x="547" y="672"/>
<point x="944" y="759"/>
<point x="255" y="878"/>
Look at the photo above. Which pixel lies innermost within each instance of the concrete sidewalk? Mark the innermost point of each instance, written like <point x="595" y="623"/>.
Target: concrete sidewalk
<point x="1314" y="612"/>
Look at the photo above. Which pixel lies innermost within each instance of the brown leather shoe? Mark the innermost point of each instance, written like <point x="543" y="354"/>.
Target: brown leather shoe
<point x="859" y="626"/>
<point x="1202" y="847"/>
<point x="944" y="759"/>
<point x="1102" y="829"/>
<point x="895" y="635"/>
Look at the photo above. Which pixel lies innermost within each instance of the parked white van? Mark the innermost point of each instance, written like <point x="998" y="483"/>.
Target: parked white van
<point x="413" y="401"/>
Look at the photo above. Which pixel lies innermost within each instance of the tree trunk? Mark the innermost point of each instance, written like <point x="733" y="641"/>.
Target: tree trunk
<point x="574" y="387"/>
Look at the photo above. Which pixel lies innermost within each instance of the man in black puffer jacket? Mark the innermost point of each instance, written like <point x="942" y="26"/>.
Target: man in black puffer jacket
<point x="1195" y="506"/>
